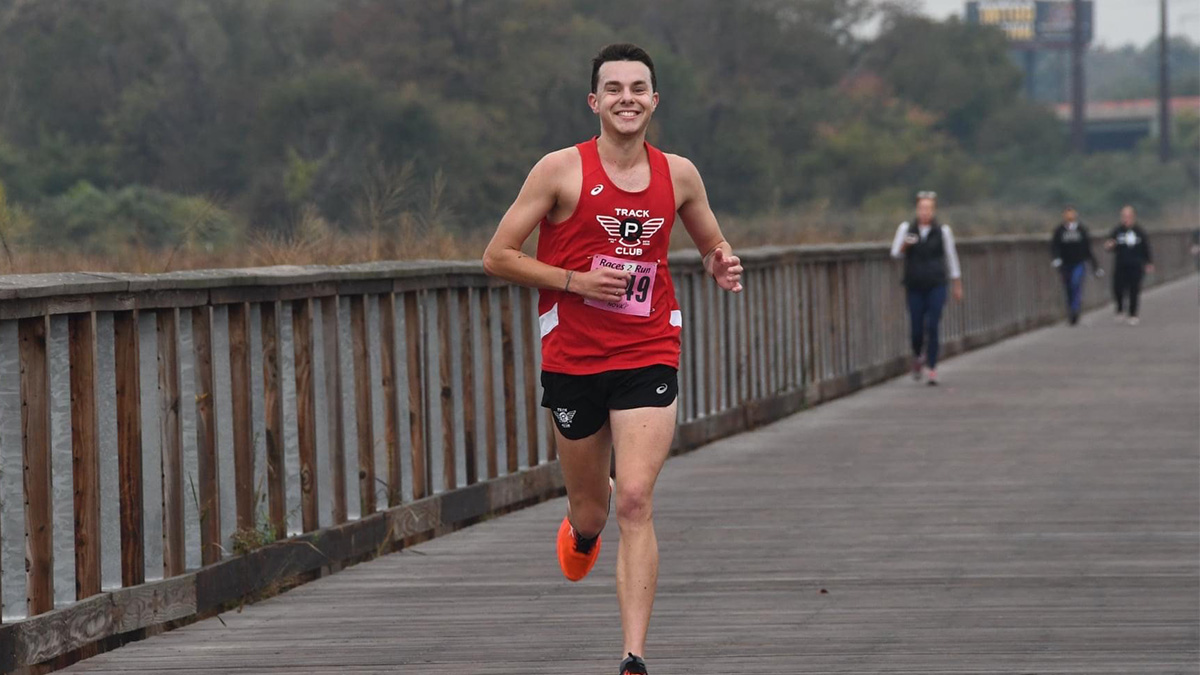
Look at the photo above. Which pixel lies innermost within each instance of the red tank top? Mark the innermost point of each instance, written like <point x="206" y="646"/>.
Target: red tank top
<point x="615" y="228"/>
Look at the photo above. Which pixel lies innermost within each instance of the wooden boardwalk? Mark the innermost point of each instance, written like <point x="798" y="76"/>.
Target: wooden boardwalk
<point x="1039" y="513"/>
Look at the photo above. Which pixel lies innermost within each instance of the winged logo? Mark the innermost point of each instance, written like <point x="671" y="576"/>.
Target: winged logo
<point x="630" y="229"/>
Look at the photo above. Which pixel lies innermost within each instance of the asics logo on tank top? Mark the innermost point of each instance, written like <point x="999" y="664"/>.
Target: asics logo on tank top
<point x="598" y="189"/>
<point x="631" y="230"/>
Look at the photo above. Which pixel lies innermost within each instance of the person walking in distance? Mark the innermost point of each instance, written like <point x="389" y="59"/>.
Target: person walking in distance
<point x="1131" y="261"/>
<point x="930" y="264"/>
<point x="610" y="323"/>
<point x="1071" y="250"/>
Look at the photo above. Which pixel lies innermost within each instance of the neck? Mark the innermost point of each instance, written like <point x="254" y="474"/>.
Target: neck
<point x="621" y="151"/>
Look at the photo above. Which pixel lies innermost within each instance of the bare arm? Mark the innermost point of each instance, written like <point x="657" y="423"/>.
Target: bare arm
<point x="505" y="259"/>
<point x="701" y="224"/>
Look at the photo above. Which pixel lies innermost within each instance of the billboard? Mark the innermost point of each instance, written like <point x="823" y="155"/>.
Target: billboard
<point x="1032" y="23"/>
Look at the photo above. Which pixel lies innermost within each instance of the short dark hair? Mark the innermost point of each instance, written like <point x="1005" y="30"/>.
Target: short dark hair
<point x="622" y="52"/>
<point x="1069" y="207"/>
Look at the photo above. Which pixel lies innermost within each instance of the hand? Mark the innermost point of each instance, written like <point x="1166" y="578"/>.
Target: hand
<point x="1109" y="244"/>
<point x="910" y="240"/>
<point x="1056" y="263"/>
<point x="1150" y="268"/>
<point x="1098" y="273"/>
<point x="726" y="270"/>
<point x="957" y="290"/>
<point x="603" y="283"/>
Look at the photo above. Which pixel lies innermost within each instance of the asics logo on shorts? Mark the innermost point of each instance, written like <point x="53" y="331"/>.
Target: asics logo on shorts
<point x="564" y="416"/>
<point x="598" y="189"/>
<point x="662" y="389"/>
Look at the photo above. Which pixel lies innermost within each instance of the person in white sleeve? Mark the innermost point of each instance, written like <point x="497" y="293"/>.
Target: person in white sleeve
<point x="930" y="265"/>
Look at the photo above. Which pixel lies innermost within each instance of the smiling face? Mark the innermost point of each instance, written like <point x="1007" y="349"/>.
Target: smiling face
<point x="926" y="209"/>
<point x="624" y="98"/>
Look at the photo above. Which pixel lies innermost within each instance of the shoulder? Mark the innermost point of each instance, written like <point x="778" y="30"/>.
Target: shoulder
<point x="555" y="171"/>
<point x="685" y="178"/>
<point x="946" y="230"/>
<point x="903" y="226"/>
<point x="682" y="168"/>
<point x="564" y="159"/>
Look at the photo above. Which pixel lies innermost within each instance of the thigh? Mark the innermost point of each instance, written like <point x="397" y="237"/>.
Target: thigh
<point x="1135" y="278"/>
<point x="642" y="416"/>
<point x="934" y="303"/>
<point x="581" y="432"/>
<point x="916" y="306"/>
<point x="642" y="440"/>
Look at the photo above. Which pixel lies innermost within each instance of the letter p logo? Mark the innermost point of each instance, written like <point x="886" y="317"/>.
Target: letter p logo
<point x="631" y="230"/>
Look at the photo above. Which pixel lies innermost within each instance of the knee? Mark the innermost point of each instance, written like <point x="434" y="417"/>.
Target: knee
<point x="588" y="517"/>
<point x="635" y="504"/>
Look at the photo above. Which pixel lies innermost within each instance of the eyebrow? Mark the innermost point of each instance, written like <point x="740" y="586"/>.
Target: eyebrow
<point x="635" y="83"/>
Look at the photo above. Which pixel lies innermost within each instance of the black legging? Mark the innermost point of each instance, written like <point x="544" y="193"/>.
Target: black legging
<point x="1127" y="280"/>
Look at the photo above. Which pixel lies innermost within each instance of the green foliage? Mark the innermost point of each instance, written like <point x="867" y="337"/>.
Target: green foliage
<point x="374" y="115"/>
<point x="91" y="220"/>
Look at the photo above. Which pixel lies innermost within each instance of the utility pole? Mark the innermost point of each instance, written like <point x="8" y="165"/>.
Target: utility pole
<point x="1164" y="88"/>
<point x="1078" y="96"/>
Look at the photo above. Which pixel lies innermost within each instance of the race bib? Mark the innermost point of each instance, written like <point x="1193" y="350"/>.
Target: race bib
<point x="638" y="291"/>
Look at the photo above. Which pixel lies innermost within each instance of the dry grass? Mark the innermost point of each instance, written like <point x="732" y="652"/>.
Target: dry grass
<point x="414" y="238"/>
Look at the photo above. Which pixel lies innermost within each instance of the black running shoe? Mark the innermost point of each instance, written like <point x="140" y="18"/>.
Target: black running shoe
<point x="633" y="665"/>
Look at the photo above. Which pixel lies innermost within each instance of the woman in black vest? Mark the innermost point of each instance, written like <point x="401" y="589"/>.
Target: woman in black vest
<point x="930" y="263"/>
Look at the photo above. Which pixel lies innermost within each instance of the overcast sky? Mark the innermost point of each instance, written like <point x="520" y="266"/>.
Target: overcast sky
<point x="1118" y="22"/>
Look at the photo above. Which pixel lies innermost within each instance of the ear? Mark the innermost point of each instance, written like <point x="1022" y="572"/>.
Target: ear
<point x="594" y="103"/>
<point x="654" y="101"/>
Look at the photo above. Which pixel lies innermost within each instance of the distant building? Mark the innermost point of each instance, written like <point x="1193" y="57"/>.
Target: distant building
<point x="1121" y="125"/>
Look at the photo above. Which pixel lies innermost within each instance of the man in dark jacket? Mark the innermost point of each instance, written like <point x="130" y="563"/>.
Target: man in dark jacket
<point x="1131" y="260"/>
<point x="1071" y="250"/>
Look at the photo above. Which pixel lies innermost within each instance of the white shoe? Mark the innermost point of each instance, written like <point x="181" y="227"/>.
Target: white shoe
<point x="1133" y="321"/>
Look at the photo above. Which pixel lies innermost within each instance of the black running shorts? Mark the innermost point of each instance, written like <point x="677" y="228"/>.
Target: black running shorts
<point x="580" y="403"/>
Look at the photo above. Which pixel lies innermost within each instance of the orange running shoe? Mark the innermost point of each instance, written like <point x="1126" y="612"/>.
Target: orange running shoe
<point x="576" y="557"/>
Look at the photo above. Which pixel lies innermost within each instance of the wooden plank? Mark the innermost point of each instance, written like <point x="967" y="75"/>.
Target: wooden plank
<point x="306" y="413"/>
<point x="391" y="397"/>
<point x="508" y="357"/>
<point x="59" y="632"/>
<point x="206" y="492"/>
<point x="413" y="336"/>
<point x="489" y="384"/>
<point x="171" y="441"/>
<point x="129" y="446"/>
<point x="362" y="404"/>
<point x="526" y="314"/>
<point x="273" y="414"/>
<point x="85" y="453"/>
<point x="446" y="391"/>
<point x="467" y="336"/>
<point x="333" y="406"/>
<point x="243" y="431"/>
<point x="35" y="436"/>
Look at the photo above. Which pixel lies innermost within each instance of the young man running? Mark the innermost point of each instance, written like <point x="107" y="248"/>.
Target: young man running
<point x="609" y="319"/>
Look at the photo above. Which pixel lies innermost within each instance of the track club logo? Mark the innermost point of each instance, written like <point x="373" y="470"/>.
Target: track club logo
<point x="632" y="229"/>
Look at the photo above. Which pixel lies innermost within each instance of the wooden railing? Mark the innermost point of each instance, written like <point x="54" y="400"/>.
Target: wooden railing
<point x="171" y="444"/>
